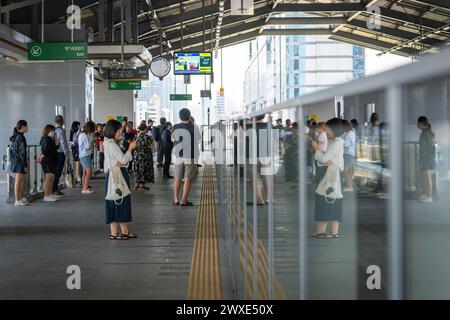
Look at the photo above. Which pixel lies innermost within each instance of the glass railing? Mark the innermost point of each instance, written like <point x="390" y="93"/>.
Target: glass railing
<point x="393" y="217"/>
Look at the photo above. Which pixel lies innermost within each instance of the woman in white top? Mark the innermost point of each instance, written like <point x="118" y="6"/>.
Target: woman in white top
<point x="326" y="211"/>
<point x="86" y="148"/>
<point x="349" y="154"/>
<point x="117" y="214"/>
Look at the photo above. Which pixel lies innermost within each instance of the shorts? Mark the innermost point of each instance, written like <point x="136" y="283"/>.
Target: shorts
<point x="86" y="162"/>
<point x="349" y="160"/>
<point x="49" y="167"/>
<point x="17" y="167"/>
<point x="185" y="169"/>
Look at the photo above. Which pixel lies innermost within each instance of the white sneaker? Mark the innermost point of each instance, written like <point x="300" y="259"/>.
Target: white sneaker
<point x="21" y="203"/>
<point x="56" y="196"/>
<point x="348" y="190"/>
<point x="25" y="201"/>
<point x="51" y="198"/>
<point x="427" y="200"/>
<point x="89" y="191"/>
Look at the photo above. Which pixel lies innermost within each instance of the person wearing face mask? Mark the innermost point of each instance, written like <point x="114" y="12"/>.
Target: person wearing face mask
<point x="49" y="150"/>
<point x="19" y="161"/>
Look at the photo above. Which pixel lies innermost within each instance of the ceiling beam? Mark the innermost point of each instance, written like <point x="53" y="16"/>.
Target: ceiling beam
<point x="226" y="32"/>
<point x="411" y="18"/>
<point x="296" y="32"/>
<point x="441" y="4"/>
<point x="306" y="21"/>
<point x="395" y="33"/>
<point x="19" y="5"/>
<point x="370" y="43"/>
<point x="318" y="7"/>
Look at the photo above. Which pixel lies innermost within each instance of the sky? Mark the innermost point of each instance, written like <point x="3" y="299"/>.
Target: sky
<point x="235" y="62"/>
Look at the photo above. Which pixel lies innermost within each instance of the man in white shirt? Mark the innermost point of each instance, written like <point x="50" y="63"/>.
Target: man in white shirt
<point x="349" y="155"/>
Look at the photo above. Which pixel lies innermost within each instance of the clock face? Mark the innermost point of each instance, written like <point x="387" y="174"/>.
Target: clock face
<point x="160" y="67"/>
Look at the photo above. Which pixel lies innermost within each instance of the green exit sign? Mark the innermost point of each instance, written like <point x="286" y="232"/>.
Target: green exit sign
<point x="124" y="85"/>
<point x="180" y="97"/>
<point x="57" y="51"/>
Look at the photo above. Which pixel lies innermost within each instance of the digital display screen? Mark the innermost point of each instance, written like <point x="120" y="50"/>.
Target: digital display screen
<point x="192" y="62"/>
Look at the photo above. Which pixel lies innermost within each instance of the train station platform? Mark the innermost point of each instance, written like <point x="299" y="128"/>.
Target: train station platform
<point x="39" y="242"/>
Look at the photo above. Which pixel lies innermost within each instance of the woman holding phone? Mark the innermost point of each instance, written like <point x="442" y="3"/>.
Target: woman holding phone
<point x="117" y="215"/>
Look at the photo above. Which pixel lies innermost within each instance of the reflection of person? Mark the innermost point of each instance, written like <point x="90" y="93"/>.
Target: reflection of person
<point x="349" y="155"/>
<point x="325" y="211"/>
<point x="426" y="156"/>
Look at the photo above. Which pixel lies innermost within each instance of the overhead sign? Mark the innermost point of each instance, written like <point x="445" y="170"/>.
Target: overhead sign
<point x="128" y="74"/>
<point x="57" y="51"/>
<point x="124" y="85"/>
<point x="180" y="97"/>
<point x="205" y="94"/>
<point x="242" y="7"/>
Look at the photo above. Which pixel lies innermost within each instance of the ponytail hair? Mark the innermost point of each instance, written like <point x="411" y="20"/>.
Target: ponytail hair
<point x="20" y="124"/>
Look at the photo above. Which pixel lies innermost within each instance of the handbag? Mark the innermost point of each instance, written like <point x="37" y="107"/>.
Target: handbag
<point x="70" y="176"/>
<point x="330" y="185"/>
<point x="117" y="186"/>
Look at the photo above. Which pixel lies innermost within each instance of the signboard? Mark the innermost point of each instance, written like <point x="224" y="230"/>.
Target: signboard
<point x="242" y="7"/>
<point x="192" y="63"/>
<point x="205" y="94"/>
<point x="128" y="74"/>
<point x="180" y="97"/>
<point x="57" y="51"/>
<point x="124" y="85"/>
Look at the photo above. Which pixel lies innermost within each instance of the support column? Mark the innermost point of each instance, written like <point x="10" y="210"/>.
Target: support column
<point x="101" y="20"/>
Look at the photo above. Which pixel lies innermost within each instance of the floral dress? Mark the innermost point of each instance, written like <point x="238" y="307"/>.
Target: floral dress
<point x="143" y="160"/>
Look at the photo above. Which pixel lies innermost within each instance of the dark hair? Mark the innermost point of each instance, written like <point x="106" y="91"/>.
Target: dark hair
<point x="47" y="129"/>
<point x="111" y="128"/>
<point x="142" y="127"/>
<point x="260" y="117"/>
<point x="295" y="125"/>
<point x="336" y="126"/>
<point x="424" y="120"/>
<point x="59" y="119"/>
<point x="149" y="120"/>
<point x="185" y="115"/>
<point x="74" y="128"/>
<point x="168" y="123"/>
<point x="20" y="124"/>
<point x="354" y="122"/>
<point x="89" y="127"/>
<point x="163" y="120"/>
<point x="374" y="116"/>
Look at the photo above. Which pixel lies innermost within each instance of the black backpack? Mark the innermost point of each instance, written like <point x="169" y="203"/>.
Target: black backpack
<point x="157" y="134"/>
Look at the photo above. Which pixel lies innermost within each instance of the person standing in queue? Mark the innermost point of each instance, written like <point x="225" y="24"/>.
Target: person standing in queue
<point x="19" y="161"/>
<point x="74" y="132"/>
<point x="49" y="160"/>
<point x="167" y="147"/>
<point x="62" y="153"/>
<point x="143" y="159"/>
<point x="158" y="138"/>
<point x="326" y="211"/>
<point x="427" y="153"/>
<point x="117" y="215"/>
<point x="86" y="145"/>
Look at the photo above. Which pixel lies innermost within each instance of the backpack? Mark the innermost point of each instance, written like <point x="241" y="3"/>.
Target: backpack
<point x="157" y="134"/>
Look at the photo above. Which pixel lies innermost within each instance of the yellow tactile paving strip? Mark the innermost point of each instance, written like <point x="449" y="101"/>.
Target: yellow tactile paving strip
<point x="205" y="276"/>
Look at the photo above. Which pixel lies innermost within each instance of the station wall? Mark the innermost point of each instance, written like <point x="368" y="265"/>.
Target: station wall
<point x="31" y="91"/>
<point x="112" y="102"/>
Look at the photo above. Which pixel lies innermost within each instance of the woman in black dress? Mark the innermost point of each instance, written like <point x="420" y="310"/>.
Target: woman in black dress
<point x="143" y="159"/>
<point x="49" y="148"/>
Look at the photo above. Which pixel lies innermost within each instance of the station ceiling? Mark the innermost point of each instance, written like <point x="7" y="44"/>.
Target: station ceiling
<point x="404" y="27"/>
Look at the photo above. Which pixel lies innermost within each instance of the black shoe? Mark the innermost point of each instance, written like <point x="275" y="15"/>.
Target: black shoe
<point x="59" y="193"/>
<point x="168" y="177"/>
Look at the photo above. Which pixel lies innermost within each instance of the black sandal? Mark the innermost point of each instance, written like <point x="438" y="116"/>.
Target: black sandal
<point x="176" y="203"/>
<point x="187" y="204"/>
<point x="321" y="235"/>
<point x="117" y="237"/>
<point x="130" y="235"/>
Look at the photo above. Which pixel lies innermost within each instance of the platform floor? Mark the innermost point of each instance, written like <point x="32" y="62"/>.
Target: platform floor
<point x="38" y="243"/>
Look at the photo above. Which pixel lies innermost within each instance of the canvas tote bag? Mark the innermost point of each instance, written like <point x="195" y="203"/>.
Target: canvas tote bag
<point x="330" y="185"/>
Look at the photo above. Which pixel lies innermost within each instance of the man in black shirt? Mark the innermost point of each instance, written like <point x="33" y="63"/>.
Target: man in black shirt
<point x="158" y="137"/>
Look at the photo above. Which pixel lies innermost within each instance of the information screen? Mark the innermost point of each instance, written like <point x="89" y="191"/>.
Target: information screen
<point x="192" y="63"/>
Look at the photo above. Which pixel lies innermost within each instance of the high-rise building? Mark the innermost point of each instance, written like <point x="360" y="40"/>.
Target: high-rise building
<point x="284" y="67"/>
